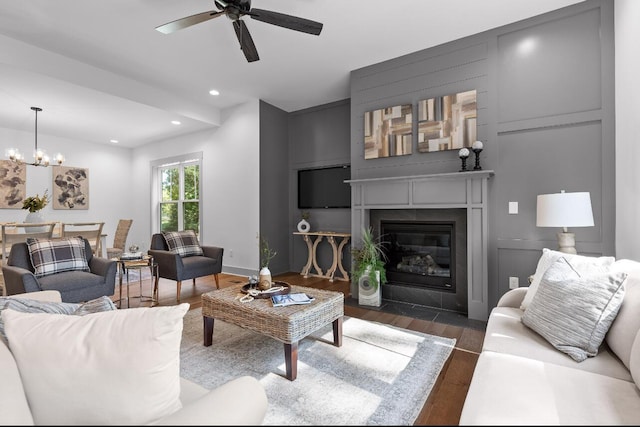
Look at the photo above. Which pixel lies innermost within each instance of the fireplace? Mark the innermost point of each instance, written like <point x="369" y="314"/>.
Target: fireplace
<point x="420" y="253"/>
<point x="460" y="197"/>
<point x="426" y="256"/>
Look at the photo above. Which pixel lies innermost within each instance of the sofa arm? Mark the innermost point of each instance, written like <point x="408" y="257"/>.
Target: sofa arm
<point x="241" y="401"/>
<point x="513" y="298"/>
<point x="46" y="296"/>
<point x="19" y="280"/>
<point x="169" y="264"/>
<point x="102" y="266"/>
<point x="213" y="252"/>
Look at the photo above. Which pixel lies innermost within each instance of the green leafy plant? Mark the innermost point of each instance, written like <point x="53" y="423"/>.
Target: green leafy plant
<point x="36" y="203"/>
<point x="266" y="253"/>
<point x="306" y="215"/>
<point x="369" y="256"/>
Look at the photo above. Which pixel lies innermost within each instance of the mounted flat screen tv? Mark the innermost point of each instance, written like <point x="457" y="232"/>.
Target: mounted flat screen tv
<point x="324" y="188"/>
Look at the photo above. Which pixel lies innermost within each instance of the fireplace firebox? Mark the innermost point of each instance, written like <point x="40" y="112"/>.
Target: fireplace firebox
<point x="420" y="253"/>
<point x="412" y="238"/>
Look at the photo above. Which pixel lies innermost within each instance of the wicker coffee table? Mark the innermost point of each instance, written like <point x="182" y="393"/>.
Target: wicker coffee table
<point x="286" y="324"/>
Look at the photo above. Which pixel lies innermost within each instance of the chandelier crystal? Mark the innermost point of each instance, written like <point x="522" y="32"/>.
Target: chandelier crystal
<point x="40" y="157"/>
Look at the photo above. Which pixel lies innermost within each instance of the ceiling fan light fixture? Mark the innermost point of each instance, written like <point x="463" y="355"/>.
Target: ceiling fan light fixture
<point x="40" y="157"/>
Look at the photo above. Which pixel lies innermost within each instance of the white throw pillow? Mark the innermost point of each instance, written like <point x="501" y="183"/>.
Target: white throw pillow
<point x="113" y="367"/>
<point x="584" y="265"/>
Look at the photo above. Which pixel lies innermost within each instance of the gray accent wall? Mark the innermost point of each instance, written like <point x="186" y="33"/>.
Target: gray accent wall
<point x="274" y="184"/>
<point x="318" y="137"/>
<point x="545" y="114"/>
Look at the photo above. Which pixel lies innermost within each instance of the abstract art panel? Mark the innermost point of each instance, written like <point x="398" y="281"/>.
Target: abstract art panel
<point x="387" y="132"/>
<point x="447" y="122"/>
<point x="70" y="188"/>
<point x="13" y="184"/>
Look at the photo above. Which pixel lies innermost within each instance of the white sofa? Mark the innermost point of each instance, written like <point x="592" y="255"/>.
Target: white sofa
<point x="225" y="405"/>
<point x="521" y="379"/>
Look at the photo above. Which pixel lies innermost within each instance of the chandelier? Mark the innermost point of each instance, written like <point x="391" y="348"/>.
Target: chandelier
<point x="40" y="157"/>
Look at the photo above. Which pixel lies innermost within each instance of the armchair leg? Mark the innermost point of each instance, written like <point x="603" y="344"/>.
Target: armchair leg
<point x="194" y="281"/>
<point x="179" y="289"/>
<point x="217" y="283"/>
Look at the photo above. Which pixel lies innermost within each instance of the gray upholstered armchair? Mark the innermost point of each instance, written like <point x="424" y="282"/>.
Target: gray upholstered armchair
<point x="172" y="266"/>
<point x="74" y="286"/>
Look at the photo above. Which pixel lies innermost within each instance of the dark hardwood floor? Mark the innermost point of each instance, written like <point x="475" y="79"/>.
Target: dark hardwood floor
<point x="447" y="396"/>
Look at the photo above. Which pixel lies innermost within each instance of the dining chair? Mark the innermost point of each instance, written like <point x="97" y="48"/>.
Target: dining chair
<point x="120" y="238"/>
<point x="92" y="231"/>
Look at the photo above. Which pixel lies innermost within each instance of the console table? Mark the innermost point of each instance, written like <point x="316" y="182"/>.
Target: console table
<point x="337" y="254"/>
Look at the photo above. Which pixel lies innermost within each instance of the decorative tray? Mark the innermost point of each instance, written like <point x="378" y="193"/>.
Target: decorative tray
<point x="268" y="293"/>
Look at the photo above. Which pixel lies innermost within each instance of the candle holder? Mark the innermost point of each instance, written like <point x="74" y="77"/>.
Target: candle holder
<point x="477" y="149"/>
<point x="463" y="154"/>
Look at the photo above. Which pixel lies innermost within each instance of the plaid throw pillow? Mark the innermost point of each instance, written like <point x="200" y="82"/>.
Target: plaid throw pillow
<point x="56" y="256"/>
<point x="184" y="243"/>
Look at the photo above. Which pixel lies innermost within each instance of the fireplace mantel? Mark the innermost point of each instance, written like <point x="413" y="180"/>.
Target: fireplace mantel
<point x="466" y="190"/>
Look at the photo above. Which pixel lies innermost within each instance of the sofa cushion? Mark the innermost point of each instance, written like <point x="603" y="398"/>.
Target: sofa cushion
<point x="626" y="325"/>
<point x="57" y="255"/>
<point x="507" y="334"/>
<point x="585" y="264"/>
<point x="573" y="311"/>
<point x="513" y="390"/>
<point x="115" y="367"/>
<point x="184" y="243"/>
<point x="14" y="407"/>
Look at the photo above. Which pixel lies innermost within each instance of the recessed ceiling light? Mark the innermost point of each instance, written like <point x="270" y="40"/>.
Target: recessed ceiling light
<point x="115" y="141"/>
<point x="175" y="122"/>
<point x="214" y="92"/>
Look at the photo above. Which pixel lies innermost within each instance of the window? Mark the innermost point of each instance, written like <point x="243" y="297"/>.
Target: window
<point x="178" y="185"/>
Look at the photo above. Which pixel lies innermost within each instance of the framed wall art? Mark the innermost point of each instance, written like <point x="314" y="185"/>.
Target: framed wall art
<point x="447" y="122"/>
<point x="13" y="184"/>
<point x="388" y="132"/>
<point x="70" y="188"/>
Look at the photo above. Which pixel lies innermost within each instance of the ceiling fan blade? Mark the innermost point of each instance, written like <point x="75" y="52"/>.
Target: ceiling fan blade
<point x="246" y="42"/>
<point x="286" y="21"/>
<point x="188" y="21"/>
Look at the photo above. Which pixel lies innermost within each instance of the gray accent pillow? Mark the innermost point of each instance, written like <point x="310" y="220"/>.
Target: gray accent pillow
<point x="25" y="305"/>
<point x="573" y="311"/>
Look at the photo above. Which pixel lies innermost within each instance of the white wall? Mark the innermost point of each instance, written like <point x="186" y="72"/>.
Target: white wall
<point x="109" y="178"/>
<point x="230" y="186"/>
<point x="627" y="63"/>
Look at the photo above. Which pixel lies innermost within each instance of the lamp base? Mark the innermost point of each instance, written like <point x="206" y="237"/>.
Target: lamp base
<point x="567" y="243"/>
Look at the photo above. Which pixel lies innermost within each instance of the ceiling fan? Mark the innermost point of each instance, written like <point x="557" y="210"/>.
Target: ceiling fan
<point x="236" y="9"/>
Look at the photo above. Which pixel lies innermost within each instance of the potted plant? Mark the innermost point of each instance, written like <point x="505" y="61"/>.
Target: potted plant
<point x="266" y="255"/>
<point x="34" y="205"/>
<point x="369" y="259"/>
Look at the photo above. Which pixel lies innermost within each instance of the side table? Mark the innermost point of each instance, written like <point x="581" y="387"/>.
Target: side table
<point x="126" y="265"/>
<point x="337" y="254"/>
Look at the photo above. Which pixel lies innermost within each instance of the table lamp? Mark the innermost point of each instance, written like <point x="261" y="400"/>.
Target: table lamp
<point x="564" y="210"/>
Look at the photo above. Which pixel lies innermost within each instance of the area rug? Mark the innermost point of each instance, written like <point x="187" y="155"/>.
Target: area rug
<point x="381" y="375"/>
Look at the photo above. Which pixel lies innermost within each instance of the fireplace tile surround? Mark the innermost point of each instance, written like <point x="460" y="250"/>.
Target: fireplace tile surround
<point x="448" y="192"/>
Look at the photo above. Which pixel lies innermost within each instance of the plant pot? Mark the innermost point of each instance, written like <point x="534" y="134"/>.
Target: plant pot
<point x="34" y="218"/>
<point x="264" y="282"/>
<point x="369" y="292"/>
<point x="304" y="226"/>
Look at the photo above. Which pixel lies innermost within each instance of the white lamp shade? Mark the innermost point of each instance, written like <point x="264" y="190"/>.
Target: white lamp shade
<point x="564" y="210"/>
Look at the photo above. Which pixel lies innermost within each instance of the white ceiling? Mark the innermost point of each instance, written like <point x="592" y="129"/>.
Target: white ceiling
<point x="100" y="71"/>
